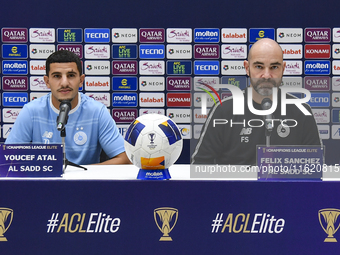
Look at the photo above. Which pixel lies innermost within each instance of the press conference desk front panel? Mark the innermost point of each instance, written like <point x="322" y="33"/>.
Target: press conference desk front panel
<point x="106" y="210"/>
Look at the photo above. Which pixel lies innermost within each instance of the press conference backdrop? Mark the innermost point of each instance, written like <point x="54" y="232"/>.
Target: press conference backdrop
<point x="150" y="57"/>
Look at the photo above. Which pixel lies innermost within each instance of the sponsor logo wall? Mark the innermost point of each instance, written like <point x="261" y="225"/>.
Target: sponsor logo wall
<point x="161" y="68"/>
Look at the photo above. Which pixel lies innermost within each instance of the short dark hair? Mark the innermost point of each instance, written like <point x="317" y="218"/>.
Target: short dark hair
<point x="63" y="56"/>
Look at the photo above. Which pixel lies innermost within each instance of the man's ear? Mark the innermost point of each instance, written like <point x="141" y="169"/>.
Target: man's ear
<point x="246" y="66"/>
<point x="47" y="81"/>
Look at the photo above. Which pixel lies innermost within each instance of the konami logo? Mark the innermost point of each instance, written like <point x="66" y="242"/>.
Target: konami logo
<point x="317" y="51"/>
<point x="178" y="99"/>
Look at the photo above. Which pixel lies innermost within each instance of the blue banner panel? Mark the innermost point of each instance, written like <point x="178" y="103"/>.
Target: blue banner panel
<point x="145" y="217"/>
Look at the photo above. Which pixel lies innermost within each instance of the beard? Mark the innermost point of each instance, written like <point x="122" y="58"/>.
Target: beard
<point x="263" y="86"/>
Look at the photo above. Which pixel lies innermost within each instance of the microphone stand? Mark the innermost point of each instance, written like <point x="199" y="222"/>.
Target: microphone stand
<point x="66" y="162"/>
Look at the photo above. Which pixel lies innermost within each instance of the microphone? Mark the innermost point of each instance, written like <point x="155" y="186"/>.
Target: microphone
<point x="268" y="119"/>
<point x="64" y="108"/>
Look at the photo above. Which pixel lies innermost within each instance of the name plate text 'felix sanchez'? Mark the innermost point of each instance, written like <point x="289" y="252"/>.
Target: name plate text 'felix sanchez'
<point x="31" y="160"/>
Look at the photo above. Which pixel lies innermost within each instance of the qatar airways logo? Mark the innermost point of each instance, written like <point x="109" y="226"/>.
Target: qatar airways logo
<point x="15" y="83"/>
<point x="178" y="35"/>
<point x="317" y="35"/>
<point x="147" y="35"/>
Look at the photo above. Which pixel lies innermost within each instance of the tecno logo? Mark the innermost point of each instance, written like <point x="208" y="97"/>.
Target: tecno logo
<point x="317" y="51"/>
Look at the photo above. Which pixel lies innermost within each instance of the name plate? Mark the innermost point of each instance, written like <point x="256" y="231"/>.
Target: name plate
<point x="31" y="160"/>
<point x="290" y="162"/>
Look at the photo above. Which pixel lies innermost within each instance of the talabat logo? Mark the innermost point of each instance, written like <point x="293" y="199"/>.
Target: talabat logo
<point x="10" y="114"/>
<point x="151" y="83"/>
<point x="42" y="35"/>
<point x="317" y="67"/>
<point x="207" y="51"/>
<point x="291" y="51"/>
<point x="37" y="67"/>
<point x="124" y="51"/>
<point x="179" y="35"/>
<point x="14" y="99"/>
<point x="97" y="35"/>
<point x="199" y="117"/>
<point x="14" y="67"/>
<point x="151" y="51"/>
<point x="178" y="83"/>
<point x="207" y="67"/>
<point x="95" y="51"/>
<point x="256" y="34"/>
<point x="207" y="35"/>
<point x="289" y="35"/>
<point x="103" y="98"/>
<point x="14" y="51"/>
<point x="124" y="35"/>
<point x="293" y="67"/>
<point x="234" y="35"/>
<point x="14" y="35"/>
<point x="151" y="99"/>
<point x="124" y="115"/>
<point x="70" y="35"/>
<point x="178" y="99"/>
<point x="124" y="99"/>
<point x="321" y="115"/>
<point x="317" y="83"/>
<point x="75" y="48"/>
<point x="152" y="35"/>
<point x="336" y="66"/>
<point x="124" y="67"/>
<point x="97" y="67"/>
<point x="97" y="83"/>
<point x="41" y="51"/>
<point x="124" y="83"/>
<point x="313" y="35"/>
<point x="37" y="83"/>
<point x="179" y="67"/>
<point x="14" y="83"/>
<point x="234" y="51"/>
<point x="319" y="100"/>
<point x="151" y="67"/>
<point x="179" y="51"/>
<point x="317" y="51"/>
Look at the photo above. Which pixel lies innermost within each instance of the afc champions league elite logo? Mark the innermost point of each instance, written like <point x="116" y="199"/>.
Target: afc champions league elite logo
<point x="6" y="217"/>
<point x="329" y="222"/>
<point x="166" y="219"/>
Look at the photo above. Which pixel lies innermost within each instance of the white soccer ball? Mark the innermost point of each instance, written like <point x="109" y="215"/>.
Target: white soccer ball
<point x="153" y="142"/>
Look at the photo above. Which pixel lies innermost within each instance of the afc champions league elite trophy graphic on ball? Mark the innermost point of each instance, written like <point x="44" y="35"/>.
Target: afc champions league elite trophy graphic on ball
<point x="153" y="143"/>
<point x="6" y="217"/>
<point x="331" y="221"/>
